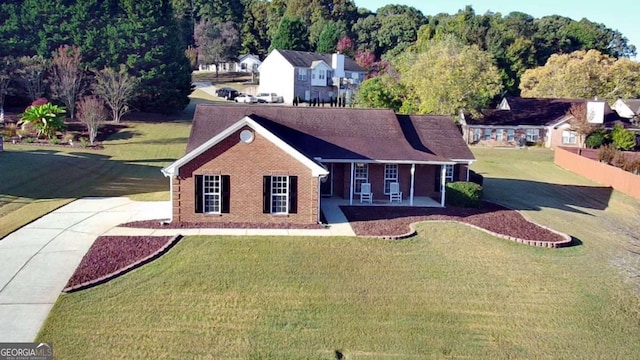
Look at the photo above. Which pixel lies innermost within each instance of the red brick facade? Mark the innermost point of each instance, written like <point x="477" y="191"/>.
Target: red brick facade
<point x="246" y="164"/>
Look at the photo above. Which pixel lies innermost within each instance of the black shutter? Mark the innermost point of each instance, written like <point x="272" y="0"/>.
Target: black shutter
<point x="293" y="194"/>
<point x="226" y="193"/>
<point x="266" y="194"/>
<point x="456" y="172"/>
<point x="436" y="186"/>
<point x="199" y="190"/>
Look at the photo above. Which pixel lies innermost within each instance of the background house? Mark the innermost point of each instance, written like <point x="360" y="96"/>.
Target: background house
<point x="245" y="64"/>
<point x="266" y="164"/>
<point x="518" y="121"/>
<point x="627" y="108"/>
<point x="309" y="75"/>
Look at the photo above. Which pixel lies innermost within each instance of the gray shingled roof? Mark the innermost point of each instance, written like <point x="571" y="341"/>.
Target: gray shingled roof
<point x="305" y="59"/>
<point x="633" y="104"/>
<point x="340" y="133"/>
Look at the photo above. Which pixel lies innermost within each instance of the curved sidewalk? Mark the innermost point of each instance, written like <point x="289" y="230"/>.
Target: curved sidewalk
<point x="37" y="260"/>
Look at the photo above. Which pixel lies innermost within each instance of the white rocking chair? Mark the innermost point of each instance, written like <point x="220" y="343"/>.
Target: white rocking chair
<point x="365" y="193"/>
<point x="394" y="192"/>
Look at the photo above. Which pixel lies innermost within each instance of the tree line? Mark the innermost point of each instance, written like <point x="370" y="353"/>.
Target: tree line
<point x="161" y="41"/>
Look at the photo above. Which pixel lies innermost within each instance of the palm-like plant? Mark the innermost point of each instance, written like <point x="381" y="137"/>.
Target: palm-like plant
<point x="46" y="119"/>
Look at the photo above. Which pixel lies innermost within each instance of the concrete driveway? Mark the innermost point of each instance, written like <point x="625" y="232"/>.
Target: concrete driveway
<point x="37" y="260"/>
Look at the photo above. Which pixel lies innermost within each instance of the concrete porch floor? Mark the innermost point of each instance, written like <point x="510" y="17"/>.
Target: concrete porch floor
<point x="418" y="201"/>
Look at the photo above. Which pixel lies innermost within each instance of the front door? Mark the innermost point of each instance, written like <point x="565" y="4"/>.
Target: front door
<point x="326" y="183"/>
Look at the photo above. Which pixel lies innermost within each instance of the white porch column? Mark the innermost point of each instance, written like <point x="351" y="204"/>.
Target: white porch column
<point x="171" y="199"/>
<point x="413" y="172"/>
<point x="319" y="199"/>
<point x="443" y="182"/>
<point x="351" y="185"/>
<point x="468" y="166"/>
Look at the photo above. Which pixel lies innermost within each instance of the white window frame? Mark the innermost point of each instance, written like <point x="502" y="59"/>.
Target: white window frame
<point x="302" y="74"/>
<point x="500" y="135"/>
<point x="212" y="192"/>
<point x="569" y="137"/>
<point x="321" y="74"/>
<point x="279" y="194"/>
<point x="390" y="176"/>
<point x="511" y="134"/>
<point x="477" y="134"/>
<point x="448" y="177"/>
<point x="486" y="135"/>
<point x="360" y="176"/>
<point x="533" y="135"/>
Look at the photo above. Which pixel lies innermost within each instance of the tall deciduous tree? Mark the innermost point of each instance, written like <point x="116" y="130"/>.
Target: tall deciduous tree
<point x="583" y="74"/>
<point x="116" y="88"/>
<point x="453" y="78"/>
<point x="31" y="75"/>
<point x="217" y="42"/>
<point x="92" y="114"/>
<point x="67" y="76"/>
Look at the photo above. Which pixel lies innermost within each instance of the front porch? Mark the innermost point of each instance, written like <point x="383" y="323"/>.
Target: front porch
<point x="418" y="201"/>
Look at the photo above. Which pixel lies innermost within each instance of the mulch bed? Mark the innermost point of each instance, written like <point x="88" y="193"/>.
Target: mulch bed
<point x="111" y="256"/>
<point x="396" y="221"/>
<point x="158" y="224"/>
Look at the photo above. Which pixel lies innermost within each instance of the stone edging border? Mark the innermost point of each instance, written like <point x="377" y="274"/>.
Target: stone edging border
<point x="547" y="244"/>
<point x="106" y="278"/>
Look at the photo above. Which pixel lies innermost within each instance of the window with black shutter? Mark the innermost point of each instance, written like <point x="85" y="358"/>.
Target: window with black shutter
<point x="212" y="194"/>
<point x="280" y="194"/>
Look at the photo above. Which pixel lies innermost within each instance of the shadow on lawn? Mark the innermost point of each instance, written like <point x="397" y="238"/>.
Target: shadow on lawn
<point x="535" y="195"/>
<point x="49" y="174"/>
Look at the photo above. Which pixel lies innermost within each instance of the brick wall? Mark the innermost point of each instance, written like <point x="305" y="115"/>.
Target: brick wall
<point x="246" y="164"/>
<point x="602" y="173"/>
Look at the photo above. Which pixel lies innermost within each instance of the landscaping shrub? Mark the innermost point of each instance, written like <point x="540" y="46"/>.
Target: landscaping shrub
<point x="464" y="194"/>
<point x="623" y="138"/>
<point x="595" y="140"/>
<point x="633" y="166"/>
<point x="606" y="154"/>
<point x="619" y="160"/>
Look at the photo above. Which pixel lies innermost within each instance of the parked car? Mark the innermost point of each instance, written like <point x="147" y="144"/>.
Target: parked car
<point x="246" y="98"/>
<point x="227" y="93"/>
<point x="267" y="97"/>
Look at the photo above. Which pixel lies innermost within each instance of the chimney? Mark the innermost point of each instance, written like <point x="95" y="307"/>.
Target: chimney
<point x="595" y="112"/>
<point x="337" y="63"/>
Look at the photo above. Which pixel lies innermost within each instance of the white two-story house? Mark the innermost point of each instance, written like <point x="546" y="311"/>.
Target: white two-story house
<point x="309" y="76"/>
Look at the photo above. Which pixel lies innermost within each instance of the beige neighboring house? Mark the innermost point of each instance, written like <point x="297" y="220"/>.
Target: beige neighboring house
<point x="527" y="121"/>
<point x="246" y="64"/>
<point x="309" y="76"/>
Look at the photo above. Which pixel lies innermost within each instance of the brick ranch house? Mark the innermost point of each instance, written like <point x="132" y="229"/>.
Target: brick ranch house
<point x="534" y="121"/>
<point x="275" y="164"/>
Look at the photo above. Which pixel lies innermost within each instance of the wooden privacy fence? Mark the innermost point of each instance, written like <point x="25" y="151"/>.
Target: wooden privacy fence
<point x="602" y="173"/>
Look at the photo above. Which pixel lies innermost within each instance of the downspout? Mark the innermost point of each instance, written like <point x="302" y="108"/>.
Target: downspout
<point x="443" y="182"/>
<point x="413" y="171"/>
<point x="468" y="169"/>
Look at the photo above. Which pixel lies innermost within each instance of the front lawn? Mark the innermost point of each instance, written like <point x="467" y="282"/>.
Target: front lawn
<point x="450" y="292"/>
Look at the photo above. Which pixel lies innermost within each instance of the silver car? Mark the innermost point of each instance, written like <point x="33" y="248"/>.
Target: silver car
<point x="246" y="98"/>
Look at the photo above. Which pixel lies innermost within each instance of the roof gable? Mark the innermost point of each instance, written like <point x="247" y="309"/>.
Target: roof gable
<point x="174" y="168"/>
<point x="305" y="59"/>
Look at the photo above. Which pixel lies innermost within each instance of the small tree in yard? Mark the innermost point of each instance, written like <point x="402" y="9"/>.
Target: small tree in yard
<point x="116" y="88"/>
<point x="67" y="76"/>
<point x="91" y="112"/>
<point x="30" y="74"/>
<point x="46" y="119"/>
<point x="580" y="123"/>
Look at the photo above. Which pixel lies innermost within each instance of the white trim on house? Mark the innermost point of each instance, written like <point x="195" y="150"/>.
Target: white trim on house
<point x="403" y="162"/>
<point x="316" y="169"/>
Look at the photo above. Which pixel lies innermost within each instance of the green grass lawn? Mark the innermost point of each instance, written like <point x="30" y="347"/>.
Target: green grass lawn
<point x="450" y="292"/>
<point x="35" y="180"/>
